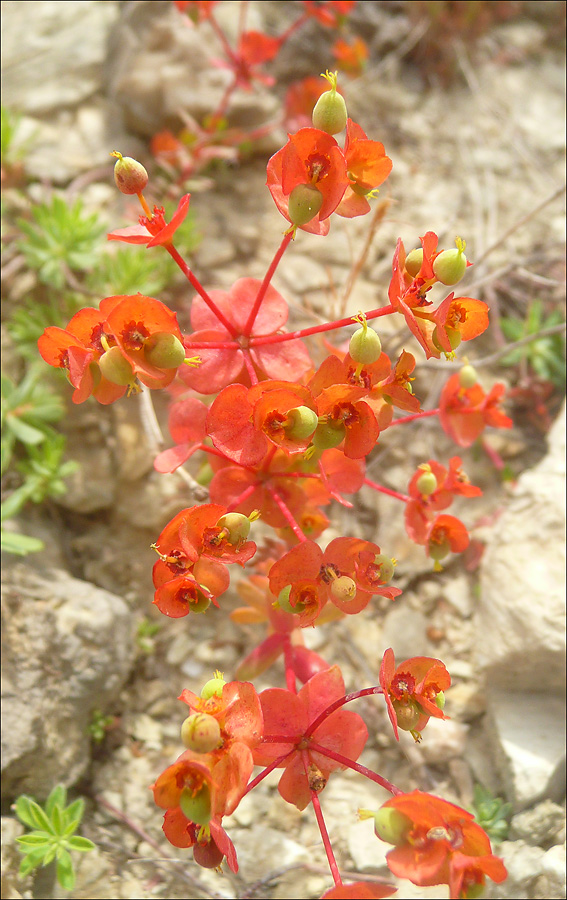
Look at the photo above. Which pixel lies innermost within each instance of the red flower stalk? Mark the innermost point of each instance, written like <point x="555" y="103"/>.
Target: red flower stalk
<point x="413" y="691"/>
<point x="310" y="157"/>
<point x="289" y="716"/>
<point x="367" y="168"/>
<point x="437" y="842"/>
<point x="226" y="365"/>
<point x="464" y="413"/>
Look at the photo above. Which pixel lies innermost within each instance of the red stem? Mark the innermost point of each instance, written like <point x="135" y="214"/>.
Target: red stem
<point x="286" y="513"/>
<point x="223" y="39"/>
<point x="288" y="658"/>
<point x="211" y="345"/>
<point x="365" y="692"/>
<point x="493" y="455"/>
<point x="266" y="283"/>
<point x="243" y="496"/>
<point x="201" y="290"/>
<point x="419" y="415"/>
<point x="250" y="366"/>
<point x="273" y="765"/>
<point x="323" y="828"/>
<point x="316" y="329"/>
<point x="388" y="491"/>
<point x="357" y="767"/>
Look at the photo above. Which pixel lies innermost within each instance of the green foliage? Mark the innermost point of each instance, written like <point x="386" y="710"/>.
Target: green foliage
<point x="52" y="837"/>
<point x="145" y="634"/>
<point x="491" y="813"/>
<point x="99" y="725"/>
<point x="546" y="355"/>
<point x="27" y="409"/>
<point x="13" y="148"/>
<point x="131" y="270"/>
<point x="28" y="322"/>
<point x="61" y="238"/>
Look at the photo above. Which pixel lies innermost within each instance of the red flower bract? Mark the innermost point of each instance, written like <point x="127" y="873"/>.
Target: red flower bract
<point x="290" y="715"/>
<point x="410" y="691"/>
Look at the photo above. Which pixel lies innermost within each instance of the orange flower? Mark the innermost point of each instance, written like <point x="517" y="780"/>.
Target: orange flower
<point x="367" y="167"/>
<point x="411" y="691"/>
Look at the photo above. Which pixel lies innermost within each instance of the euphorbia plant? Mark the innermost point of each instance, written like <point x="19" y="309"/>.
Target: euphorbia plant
<point x="285" y="439"/>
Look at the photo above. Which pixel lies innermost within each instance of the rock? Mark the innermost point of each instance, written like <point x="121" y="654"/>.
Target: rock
<point x="527" y="739"/>
<point x="531" y="869"/>
<point x="541" y="826"/>
<point x="11" y="885"/>
<point x="521" y="612"/>
<point x="442" y="740"/>
<point x="405" y="632"/>
<point x="51" y="65"/>
<point x="67" y="650"/>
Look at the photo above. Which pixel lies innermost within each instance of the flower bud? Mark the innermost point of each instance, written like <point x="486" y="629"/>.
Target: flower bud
<point x="327" y="436"/>
<point x="164" y="350"/>
<point x="343" y="588"/>
<point x="237" y="525"/>
<point x="468" y="377"/>
<point x="213" y="687"/>
<point x="450" y="266"/>
<point x="302" y="423"/>
<point x="386" y="566"/>
<point x="414" y="261"/>
<point x="305" y="201"/>
<point x="196" y="807"/>
<point x="408" y="714"/>
<point x="208" y="855"/>
<point x="330" y="112"/>
<point x="365" y="346"/>
<point x="391" y="826"/>
<point x="426" y="483"/>
<point x="115" y="367"/>
<point x="129" y="175"/>
<point x="453" y="334"/>
<point x="201" y="733"/>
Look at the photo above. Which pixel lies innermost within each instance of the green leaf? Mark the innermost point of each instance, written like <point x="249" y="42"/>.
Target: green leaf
<point x="65" y="871"/>
<point x="50" y="855"/>
<point x="57" y="819"/>
<point x="25" y="433"/>
<point x="34" y="815"/>
<point x="57" y="797"/>
<point x="22" y="808"/>
<point x="35" y="839"/>
<point x="80" y="843"/>
<point x="30" y="862"/>
<point x="74" y="812"/>
<point x="19" y="544"/>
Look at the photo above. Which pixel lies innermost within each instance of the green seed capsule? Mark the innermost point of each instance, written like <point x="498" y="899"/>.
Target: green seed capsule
<point x="208" y="855"/>
<point x="391" y="826"/>
<point x="283" y="600"/>
<point x="440" y="700"/>
<point x="164" y="350"/>
<point x="330" y="112"/>
<point x="196" y="807"/>
<point x="302" y="422"/>
<point x="450" y="266"/>
<point x="408" y="714"/>
<point x="201" y="733"/>
<point x="115" y="367"/>
<point x="468" y="377"/>
<point x="414" y="261"/>
<point x="343" y="588"/>
<point x="326" y="436"/>
<point x="305" y="201"/>
<point x="454" y="338"/>
<point x="238" y="526"/>
<point x="426" y="483"/>
<point x="386" y="566"/>
<point x="129" y="175"/>
<point x="213" y="688"/>
<point x="365" y="346"/>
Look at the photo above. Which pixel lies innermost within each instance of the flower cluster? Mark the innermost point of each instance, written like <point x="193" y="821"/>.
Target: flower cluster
<point x="285" y="436"/>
